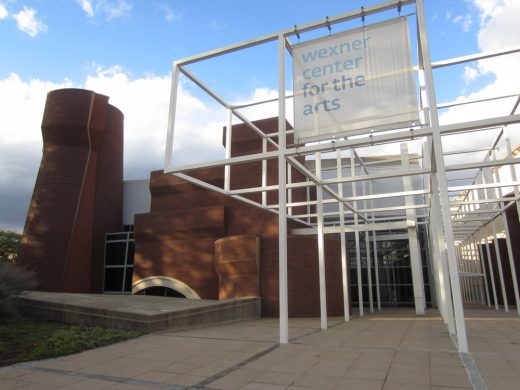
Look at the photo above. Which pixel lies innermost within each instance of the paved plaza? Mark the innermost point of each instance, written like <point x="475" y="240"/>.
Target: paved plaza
<point x="392" y="349"/>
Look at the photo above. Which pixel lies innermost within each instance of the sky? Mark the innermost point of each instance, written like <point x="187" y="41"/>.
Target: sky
<point x="125" y="49"/>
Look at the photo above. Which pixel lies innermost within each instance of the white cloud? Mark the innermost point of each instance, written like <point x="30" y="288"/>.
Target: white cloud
<point x="113" y="8"/>
<point x="169" y="14"/>
<point x="500" y="28"/>
<point x="465" y="21"/>
<point x="3" y="11"/>
<point x="470" y="74"/>
<point x="86" y="5"/>
<point x="489" y="8"/>
<point x="28" y="23"/>
<point x="20" y="144"/>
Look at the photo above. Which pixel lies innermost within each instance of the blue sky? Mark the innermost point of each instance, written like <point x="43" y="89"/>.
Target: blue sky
<point x="125" y="48"/>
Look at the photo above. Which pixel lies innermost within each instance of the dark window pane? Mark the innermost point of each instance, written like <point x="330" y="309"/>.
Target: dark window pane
<point x="113" y="279"/>
<point x="131" y="250"/>
<point x="115" y="253"/>
<point x="128" y="279"/>
<point x="116" y="236"/>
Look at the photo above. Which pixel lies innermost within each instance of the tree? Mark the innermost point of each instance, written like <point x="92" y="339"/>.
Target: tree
<point x="9" y="246"/>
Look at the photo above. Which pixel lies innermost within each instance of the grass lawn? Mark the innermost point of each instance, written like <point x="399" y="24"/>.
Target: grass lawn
<point x="23" y="340"/>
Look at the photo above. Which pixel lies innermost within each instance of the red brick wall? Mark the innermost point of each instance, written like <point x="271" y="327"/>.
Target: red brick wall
<point x="184" y="237"/>
<point x="68" y="211"/>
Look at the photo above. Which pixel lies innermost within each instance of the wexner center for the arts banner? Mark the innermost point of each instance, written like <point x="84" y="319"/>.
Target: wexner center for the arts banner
<point x="358" y="79"/>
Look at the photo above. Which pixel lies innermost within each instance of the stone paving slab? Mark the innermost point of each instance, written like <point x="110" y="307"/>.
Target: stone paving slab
<point x="246" y="355"/>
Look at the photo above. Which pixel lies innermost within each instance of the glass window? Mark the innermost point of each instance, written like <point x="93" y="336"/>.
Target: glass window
<point x="115" y="253"/>
<point x="114" y="279"/>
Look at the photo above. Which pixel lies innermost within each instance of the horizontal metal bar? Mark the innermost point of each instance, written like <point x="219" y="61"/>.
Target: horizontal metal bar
<point x="473" y="101"/>
<point x="291" y="31"/>
<point x="484" y="186"/>
<point x="364" y="227"/>
<point x="482" y="164"/>
<point x="475" y="57"/>
<point x="376" y="176"/>
<point x="387" y="195"/>
<point x="230" y="161"/>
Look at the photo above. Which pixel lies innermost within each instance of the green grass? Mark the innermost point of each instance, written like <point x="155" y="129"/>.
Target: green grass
<point x="24" y="340"/>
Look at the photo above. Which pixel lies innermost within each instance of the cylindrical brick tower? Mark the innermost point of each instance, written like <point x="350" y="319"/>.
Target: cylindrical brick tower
<point x="78" y="193"/>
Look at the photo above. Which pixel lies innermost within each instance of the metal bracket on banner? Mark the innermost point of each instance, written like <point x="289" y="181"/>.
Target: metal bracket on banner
<point x="363" y="16"/>
<point x="328" y="25"/>
<point x="296" y="32"/>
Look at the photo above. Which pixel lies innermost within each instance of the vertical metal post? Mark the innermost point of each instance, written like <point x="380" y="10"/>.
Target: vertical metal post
<point x="413" y="242"/>
<point x="264" y="172"/>
<point x="462" y="278"/>
<point x="289" y="191"/>
<point x="374" y="250"/>
<point x="497" y="252"/>
<point x="367" y="251"/>
<point x="356" y="235"/>
<point x="282" y="200"/>
<point x="508" y="241"/>
<point x="512" y="167"/>
<point x="439" y="248"/>
<point x="321" y="246"/>
<point x="227" y="168"/>
<point x="171" y="117"/>
<point x="484" y="291"/>
<point x="344" y="264"/>
<point x="484" y="272"/>
<point x="443" y="187"/>
<point x="499" y="265"/>
<point x="490" y="265"/>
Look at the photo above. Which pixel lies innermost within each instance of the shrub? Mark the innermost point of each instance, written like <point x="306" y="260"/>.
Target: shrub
<point x="79" y="338"/>
<point x="13" y="280"/>
<point x="9" y="246"/>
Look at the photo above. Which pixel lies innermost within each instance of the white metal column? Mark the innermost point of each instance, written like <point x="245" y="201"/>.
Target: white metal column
<point x="344" y="264"/>
<point x="443" y="187"/>
<point x="282" y="200"/>
<point x="356" y="235"/>
<point x="367" y="252"/>
<point x="508" y="241"/>
<point x="490" y="266"/>
<point x="413" y="242"/>
<point x="321" y="246"/>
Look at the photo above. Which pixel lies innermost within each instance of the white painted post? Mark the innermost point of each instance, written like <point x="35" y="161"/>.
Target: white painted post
<point x="171" y="117"/>
<point x="356" y="235"/>
<point x="264" y="172"/>
<point x="508" y="241"/>
<point x="442" y="181"/>
<point x="490" y="266"/>
<point x="499" y="264"/>
<point x="439" y="248"/>
<point x="227" y="168"/>
<point x="413" y="242"/>
<point x="512" y="167"/>
<point x="282" y="200"/>
<point x="344" y="264"/>
<point x="321" y="246"/>
<point x="483" y="272"/>
<point x="374" y="243"/>
<point x="369" y="263"/>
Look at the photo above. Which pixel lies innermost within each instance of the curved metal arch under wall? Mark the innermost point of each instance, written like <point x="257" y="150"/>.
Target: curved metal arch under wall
<point x="167" y="282"/>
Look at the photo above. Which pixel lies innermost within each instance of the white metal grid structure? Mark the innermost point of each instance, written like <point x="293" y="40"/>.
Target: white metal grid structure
<point x="460" y="220"/>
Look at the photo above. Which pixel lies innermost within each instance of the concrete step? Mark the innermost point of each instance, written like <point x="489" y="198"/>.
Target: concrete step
<point x="137" y="312"/>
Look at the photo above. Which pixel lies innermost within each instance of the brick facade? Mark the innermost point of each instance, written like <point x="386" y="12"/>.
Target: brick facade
<point x="207" y="240"/>
<point x="78" y="193"/>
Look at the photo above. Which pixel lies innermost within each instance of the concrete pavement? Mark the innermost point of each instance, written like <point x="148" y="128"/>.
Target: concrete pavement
<point x="392" y="349"/>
